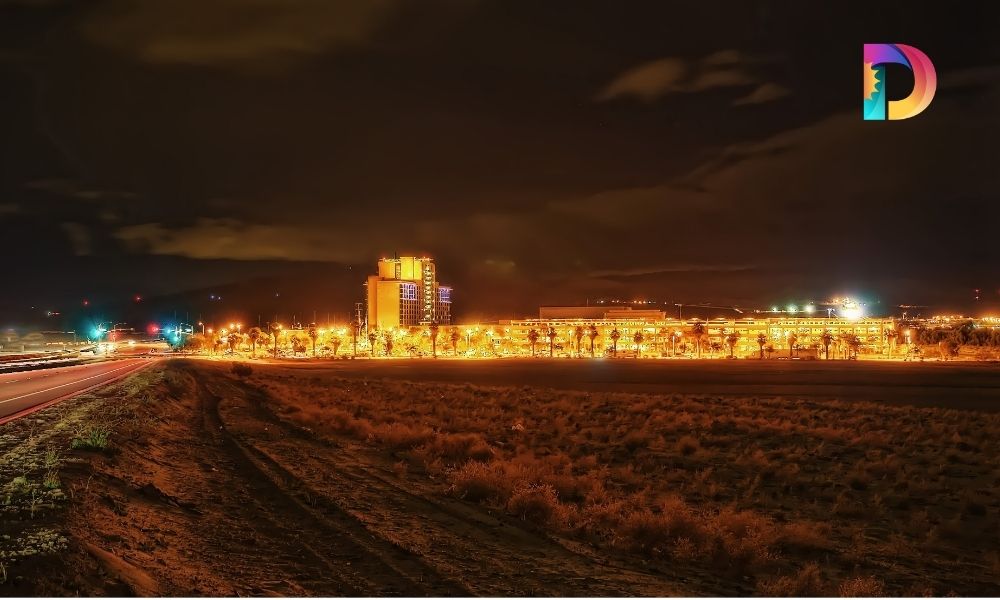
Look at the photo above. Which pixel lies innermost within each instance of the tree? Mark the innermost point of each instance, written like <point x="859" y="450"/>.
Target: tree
<point x="853" y="345"/>
<point x="335" y="341"/>
<point x="233" y="340"/>
<point x="533" y="339"/>
<point x="715" y="346"/>
<point x="551" y="334"/>
<point x="298" y="343"/>
<point x="313" y="334"/>
<point x="388" y="343"/>
<point x="372" y="338"/>
<point x="592" y="334"/>
<point x="454" y="336"/>
<point x="761" y="341"/>
<point x="435" y="330"/>
<point x="731" y="340"/>
<point x="826" y="339"/>
<point x="275" y="329"/>
<point x="253" y="335"/>
<point x="890" y="338"/>
<point x="578" y="334"/>
<point x="615" y="336"/>
<point x="638" y="338"/>
<point x="792" y="339"/>
<point x="698" y="331"/>
<point x="769" y="350"/>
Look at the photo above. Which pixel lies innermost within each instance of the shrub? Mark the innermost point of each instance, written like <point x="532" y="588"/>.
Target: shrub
<point x="398" y="436"/>
<point x="808" y="582"/>
<point x="95" y="438"/>
<point x="805" y="535"/>
<point x="242" y="369"/>
<point x="688" y="445"/>
<point x="862" y="587"/>
<point x="459" y="447"/>
<point x="478" y="481"/>
<point x="537" y="503"/>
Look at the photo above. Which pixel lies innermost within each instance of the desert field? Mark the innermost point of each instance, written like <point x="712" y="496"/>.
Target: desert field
<point x="196" y="477"/>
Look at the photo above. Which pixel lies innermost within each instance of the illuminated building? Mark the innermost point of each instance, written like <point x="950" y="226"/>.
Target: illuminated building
<point x="405" y="292"/>
<point x="663" y="336"/>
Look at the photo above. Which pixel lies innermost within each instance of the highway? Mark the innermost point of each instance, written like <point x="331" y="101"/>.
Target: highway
<point x="24" y="392"/>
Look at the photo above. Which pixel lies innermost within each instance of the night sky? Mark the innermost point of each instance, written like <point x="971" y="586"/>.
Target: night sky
<point x="543" y="152"/>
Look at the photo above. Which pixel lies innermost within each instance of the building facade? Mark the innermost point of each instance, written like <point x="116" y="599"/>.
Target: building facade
<point x="405" y="292"/>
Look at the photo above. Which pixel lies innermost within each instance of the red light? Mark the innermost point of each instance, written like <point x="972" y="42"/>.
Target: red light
<point x="86" y="302"/>
<point x="138" y="298"/>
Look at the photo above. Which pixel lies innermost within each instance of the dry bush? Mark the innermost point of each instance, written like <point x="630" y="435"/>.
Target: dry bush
<point x="807" y="582"/>
<point x="478" y="481"/>
<point x="803" y="535"/>
<point x="862" y="587"/>
<point x="456" y="448"/>
<point x="399" y="436"/>
<point x="688" y="445"/>
<point x="537" y="503"/>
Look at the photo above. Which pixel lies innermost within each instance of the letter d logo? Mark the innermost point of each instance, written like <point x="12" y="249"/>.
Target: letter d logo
<point x="924" y="82"/>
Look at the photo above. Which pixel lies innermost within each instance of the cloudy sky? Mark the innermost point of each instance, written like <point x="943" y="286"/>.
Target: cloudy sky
<point x="543" y="152"/>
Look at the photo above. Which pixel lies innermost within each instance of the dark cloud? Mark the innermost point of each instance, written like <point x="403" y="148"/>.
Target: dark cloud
<point x="541" y="151"/>
<point x="232" y="33"/>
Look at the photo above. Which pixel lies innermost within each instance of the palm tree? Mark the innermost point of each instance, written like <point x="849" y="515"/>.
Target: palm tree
<point x="592" y="334"/>
<point x="761" y="341"/>
<point x="715" y="346"/>
<point x="335" y="341"/>
<point x="551" y="334"/>
<point x="355" y="329"/>
<point x="275" y="329"/>
<point x="454" y="337"/>
<point x="827" y="339"/>
<point x="698" y="330"/>
<point x="731" y="340"/>
<point x="853" y="344"/>
<point x="533" y="339"/>
<point x="372" y="338"/>
<point x="890" y="338"/>
<point x="615" y="336"/>
<point x="233" y="340"/>
<point x="388" y="343"/>
<point x="638" y="338"/>
<point x="313" y="334"/>
<point x="792" y="339"/>
<point x="253" y="335"/>
<point x="578" y="334"/>
<point x="769" y="350"/>
<point x="435" y="330"/>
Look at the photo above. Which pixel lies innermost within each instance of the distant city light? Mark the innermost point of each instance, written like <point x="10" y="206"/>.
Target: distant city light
<point x="792" y="308"/>
<point x="810" y="308"/>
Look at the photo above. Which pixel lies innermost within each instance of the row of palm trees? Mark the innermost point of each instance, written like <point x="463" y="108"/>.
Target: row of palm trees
<point x="300" y="341"/>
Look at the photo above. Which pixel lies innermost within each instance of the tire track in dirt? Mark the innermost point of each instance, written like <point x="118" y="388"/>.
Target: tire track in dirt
<point x="376" y="566"/>
<point x="491" y="556"/>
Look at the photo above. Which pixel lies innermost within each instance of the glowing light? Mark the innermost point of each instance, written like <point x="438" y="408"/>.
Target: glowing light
<point x="810" y="309"/>
<point x="792" y="308"/>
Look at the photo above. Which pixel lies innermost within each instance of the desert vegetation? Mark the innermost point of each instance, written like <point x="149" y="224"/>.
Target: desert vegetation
<point x="788" y="497"/>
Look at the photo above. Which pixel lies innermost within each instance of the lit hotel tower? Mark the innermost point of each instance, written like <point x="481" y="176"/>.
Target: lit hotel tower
<point x="405" y="293"/>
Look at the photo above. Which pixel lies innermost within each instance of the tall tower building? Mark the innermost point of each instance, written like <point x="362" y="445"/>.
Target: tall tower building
<point x="406" y="292"/>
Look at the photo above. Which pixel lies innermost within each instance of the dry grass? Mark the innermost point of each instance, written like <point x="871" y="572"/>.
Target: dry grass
<point x="765" y="488"/>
